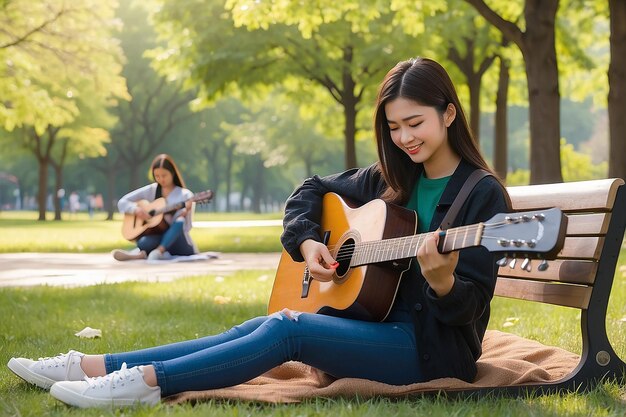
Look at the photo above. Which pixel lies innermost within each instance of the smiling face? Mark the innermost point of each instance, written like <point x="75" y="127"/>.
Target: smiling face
<point x="421" y="132"/>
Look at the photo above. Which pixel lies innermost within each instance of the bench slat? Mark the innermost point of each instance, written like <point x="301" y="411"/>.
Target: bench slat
<point x="575" y="272"/>
<point x="567" y="295"/>
<point x="588" y="248"/>
<point x="588" y="224"/>
<point x="596" y="195"/>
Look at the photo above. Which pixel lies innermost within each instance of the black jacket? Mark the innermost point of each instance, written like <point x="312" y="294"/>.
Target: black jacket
<point x="448" y="330"/>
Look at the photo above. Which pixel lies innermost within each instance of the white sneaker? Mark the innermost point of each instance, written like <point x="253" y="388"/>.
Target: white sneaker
<point x="127" y="255"/>
<point x="157" y="255"/>
<point x="120" y="388"/>
<point x="46" y="371"/>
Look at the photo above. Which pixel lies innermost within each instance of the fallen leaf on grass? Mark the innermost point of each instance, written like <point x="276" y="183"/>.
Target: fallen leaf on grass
<point x="510" y="321"/>
<point x="220" y="299"/>
<point x="89" y="333"/>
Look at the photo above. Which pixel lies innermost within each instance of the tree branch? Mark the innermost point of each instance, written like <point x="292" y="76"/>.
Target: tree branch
<point x="509" y="29"/>
<point x="34" y="30"/>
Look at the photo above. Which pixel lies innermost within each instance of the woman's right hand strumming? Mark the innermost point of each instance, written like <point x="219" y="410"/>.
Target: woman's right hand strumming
<point x="320" y="262"/>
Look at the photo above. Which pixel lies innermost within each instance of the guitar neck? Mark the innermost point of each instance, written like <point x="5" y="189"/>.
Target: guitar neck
<point x="167" y="209"/>
<point x="407" y="246"/>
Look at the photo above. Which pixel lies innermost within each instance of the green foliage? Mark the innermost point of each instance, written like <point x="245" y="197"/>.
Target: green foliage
<point x="343" y="49"/>
<point x="576" y="166"/>
<point x="56" y="55"/>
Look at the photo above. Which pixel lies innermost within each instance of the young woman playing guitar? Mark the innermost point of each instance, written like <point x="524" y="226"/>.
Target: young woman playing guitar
<point x="439" y="316"/>
<point x="171" y="236"/>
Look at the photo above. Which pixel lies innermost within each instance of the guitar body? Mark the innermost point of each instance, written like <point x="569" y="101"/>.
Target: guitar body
<point x="363" y="292"/>
<point x="374" y="245"/>
<point x="133" y="227"/>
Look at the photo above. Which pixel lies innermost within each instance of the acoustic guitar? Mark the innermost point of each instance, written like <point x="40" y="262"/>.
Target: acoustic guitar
<point x="133" y="227"/>
<point x="375" y="243"/>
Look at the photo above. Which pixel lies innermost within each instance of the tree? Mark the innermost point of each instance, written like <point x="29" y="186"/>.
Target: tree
<point x="68" y="62"/>
<point x="500" y="148"/>
<point x="157" y="106"/>
<point x="342" y="47"/>
<point x="537" y="44"/>
<point x="472" y="49"/>
<point x="617" y="90"/>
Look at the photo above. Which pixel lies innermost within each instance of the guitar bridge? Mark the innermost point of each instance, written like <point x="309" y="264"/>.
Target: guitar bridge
<point x="306" y="281"/>
<point x="306" y="277"/>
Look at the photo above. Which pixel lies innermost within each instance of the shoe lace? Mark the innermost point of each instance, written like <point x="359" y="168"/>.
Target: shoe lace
<point x="114" y="378"/>
<point x="55" y="361"/>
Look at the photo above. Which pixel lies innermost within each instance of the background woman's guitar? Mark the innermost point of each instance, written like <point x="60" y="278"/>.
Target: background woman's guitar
<point x="133" y="227"/>
<point x="375" y="243"/>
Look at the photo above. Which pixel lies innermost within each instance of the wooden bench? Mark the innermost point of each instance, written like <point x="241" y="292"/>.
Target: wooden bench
<point x="582" y="275"/>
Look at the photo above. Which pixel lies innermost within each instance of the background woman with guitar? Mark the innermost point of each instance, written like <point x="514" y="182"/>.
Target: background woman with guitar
<point x="170" y="235"/>
<point x="439" y="315"/>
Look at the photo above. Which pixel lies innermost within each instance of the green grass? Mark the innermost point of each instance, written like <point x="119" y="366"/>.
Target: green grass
<point x="42" y="321"/>
<point x="21" y="232"/>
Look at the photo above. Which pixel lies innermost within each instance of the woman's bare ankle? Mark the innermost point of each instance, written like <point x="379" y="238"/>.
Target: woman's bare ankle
<point x="93" y="365"/>
<point x="149" y="375"/>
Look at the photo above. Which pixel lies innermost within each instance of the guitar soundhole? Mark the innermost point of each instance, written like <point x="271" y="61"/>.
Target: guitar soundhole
<point x="344" y="256"/>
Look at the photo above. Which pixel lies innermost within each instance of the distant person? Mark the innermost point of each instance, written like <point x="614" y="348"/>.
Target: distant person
<point x="90" y="205"/>
<point x="98" y="202"/>
<point x="173" y="237"/>
<point x="61" y="197"/>
<point x="74" y="202"/>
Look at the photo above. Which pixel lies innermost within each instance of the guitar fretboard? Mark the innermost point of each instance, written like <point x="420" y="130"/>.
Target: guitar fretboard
<point x="407" y="246"/>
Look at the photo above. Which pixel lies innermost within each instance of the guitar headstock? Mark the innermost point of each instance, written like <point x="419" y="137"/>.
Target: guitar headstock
<point x="532" y="234"/>
<point x="202" y="197"/>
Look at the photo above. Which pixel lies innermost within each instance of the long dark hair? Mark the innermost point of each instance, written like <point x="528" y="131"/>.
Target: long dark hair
<point x="166" y="162"/>
<point x="427" y="83"/>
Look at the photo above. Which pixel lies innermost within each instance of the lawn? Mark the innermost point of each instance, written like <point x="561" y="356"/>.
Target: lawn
<point x="41" y="321"/>
<point x="21" y="232"/>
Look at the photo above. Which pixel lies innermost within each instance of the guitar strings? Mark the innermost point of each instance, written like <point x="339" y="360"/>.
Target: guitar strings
<point x="349" y="251"/>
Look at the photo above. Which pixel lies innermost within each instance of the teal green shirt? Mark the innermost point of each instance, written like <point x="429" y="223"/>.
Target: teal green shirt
<point x="424" y="199"/>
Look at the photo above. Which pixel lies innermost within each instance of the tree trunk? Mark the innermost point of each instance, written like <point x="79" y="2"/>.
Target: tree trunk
<point x="349" y="102"/>
<point x="58" y="182"/>
<point x="258" y="189"/>
<point x="229" y="175"/>
<point x="543" y="91"/>
<point x="212" y="156"/>
<point x="474" y="77"/>
<point x="42" y="193"/>
<point x="108" y="199"/>
<point x="617" y="90"/>
<point x="538" y="48"/>
<point x="500" y="154"/>
<point x="349" y="111"/>
<point x="473" y="83"/>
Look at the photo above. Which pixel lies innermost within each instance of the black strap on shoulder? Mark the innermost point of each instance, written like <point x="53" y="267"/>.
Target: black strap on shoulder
<point x="468" y="186"/>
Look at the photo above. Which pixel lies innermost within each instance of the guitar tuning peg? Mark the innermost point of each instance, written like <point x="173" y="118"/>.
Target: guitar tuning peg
<point x="526" y="265"/>
<point x="543" y="265"/>
<point x="502" y="261"/>
<point x="512" y="263"/>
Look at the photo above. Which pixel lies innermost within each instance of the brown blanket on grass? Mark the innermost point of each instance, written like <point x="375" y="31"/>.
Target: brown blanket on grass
<point x="507" y="360"/>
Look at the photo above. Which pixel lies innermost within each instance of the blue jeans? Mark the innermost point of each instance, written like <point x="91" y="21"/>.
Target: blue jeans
<point x="341" y="347"/>
<point x="173" y="240"/>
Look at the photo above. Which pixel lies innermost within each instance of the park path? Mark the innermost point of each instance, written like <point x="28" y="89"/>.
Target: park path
<point x="74" y="269"/>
